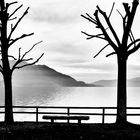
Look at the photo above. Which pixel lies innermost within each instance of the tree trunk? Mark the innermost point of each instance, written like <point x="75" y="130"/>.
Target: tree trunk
<point x="122" y="91"/>
<point x="8" y="99"/>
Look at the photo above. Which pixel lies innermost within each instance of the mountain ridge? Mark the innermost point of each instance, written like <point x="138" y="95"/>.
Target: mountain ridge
<point x="43" y="75"/>
<point x="133" y="82"/>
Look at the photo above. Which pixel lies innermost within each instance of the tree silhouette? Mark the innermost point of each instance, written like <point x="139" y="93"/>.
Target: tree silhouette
<point x="122" y="48"/>
<point x="6" y="41"/>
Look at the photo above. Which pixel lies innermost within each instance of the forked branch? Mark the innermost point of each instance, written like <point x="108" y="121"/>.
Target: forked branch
<point x="21" y="58"/>
<point x="89" y="36"/>
<point x="109" y="25"/>
<point x="15" y="11"/>
<point x="135" y="48"/>
<point x="89" y="18"/>
<point x="28" y="64"/>
<point x="12" y="41"/>
<point x="99" y="25"/>
<point x="15" y="26"/>
<point x="107" y="37"/>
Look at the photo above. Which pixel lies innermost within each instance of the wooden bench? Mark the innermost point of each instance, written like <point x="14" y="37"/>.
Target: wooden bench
<point x="52" y="118"/>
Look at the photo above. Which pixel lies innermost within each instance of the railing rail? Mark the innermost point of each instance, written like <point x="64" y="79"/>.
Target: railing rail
<point x="67" y="110"/>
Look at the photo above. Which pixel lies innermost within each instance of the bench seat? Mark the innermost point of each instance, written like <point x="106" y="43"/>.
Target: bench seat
<point x="52" y="118"/>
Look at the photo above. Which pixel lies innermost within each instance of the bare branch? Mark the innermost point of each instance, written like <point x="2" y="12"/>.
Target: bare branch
<point x="9" y="4"/>
<point x="133" y="50"/>
<point x="132" y="38"/>
<point x="30" y="49"/>
<point x="109" y="24"/>
<point x="123" y="18"/>
<point x="101" y="50"/>
<point x="111" y="54"/>
<point x="120" y="13"/>
<point x="21" y="37"/>
<point x="13" y="28"/>
<point x="12" y="18"/>
<point x="89" y="18"/>
<point x="29" y="64"/>
<point x="22" y="58"/>
<point x="19" y="53"/>
<point x="129" y="21"/>
<point x="15" y="11"/>
<point x="29" y="59"/>
<point x="104" y="32"/>
<point x="111" y="10"/>
<point x="11" y="56"/>
<point x="133" y="42"/>
<point x="97" y="22"/>
<point x="12" y="3"/>
<point x="127" y="8"/>
<point x="92" y="36"/>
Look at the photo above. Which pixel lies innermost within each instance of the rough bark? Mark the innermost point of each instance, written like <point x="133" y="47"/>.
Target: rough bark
<point x="122" y="48"/>
<point x="122" y="91"/>
<point x="6" y="41"/>
<point x="8" y="99"/>
<point x="6" y="72"/>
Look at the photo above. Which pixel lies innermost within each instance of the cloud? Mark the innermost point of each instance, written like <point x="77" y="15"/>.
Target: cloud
<point x="134" y="67"/>
<point x="91" y="77"/>
<point x="53" y="17"/>
<point x="66" y="48"/>
<point x="104" y="67"/>
<point x="68" y="60"/>
<point x="58" y="23"/>
<point x="57" y="12"/>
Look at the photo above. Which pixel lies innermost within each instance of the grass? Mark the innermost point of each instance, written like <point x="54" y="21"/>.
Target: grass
<point x="63" y="131"/>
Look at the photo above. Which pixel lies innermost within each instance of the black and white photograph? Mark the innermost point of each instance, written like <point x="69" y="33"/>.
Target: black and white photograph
<point x="69" y="70"/>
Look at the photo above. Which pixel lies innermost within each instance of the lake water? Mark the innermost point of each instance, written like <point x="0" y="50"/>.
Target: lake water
<point x="72" y="96"/>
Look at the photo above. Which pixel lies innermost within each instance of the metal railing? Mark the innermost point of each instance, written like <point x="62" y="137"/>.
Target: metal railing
<point x="67" y="110"/>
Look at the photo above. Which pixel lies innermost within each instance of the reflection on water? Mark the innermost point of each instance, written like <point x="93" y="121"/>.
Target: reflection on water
<point x="70" y="96"/>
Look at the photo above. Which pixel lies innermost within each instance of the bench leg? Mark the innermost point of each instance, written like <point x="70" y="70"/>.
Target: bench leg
<point x="79" y="121"/>
<point x="52" y="121"/>
<point x="68" y="121"/>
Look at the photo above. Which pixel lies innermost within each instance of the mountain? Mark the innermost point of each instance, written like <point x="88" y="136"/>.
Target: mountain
<point x="106" y="83"/>
<point x="134" y="82"/>
<point x="42" y="75"/>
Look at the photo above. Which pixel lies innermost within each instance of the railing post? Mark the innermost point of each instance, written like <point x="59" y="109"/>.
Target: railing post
<point x="36" y="114"/>
<point x="103" y="116"/>
<point x="68" y="113"/>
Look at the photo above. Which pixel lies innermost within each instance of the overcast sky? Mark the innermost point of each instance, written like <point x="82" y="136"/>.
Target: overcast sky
<point x="59" y="24"/>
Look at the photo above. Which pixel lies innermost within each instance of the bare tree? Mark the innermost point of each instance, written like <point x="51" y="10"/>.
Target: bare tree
<point x="7" y="41"/>
<point x="122" y="48"/>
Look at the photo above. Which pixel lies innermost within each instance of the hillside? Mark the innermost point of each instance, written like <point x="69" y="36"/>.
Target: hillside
<point x="134" y="82"/>
<point x="41" y="75"/>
